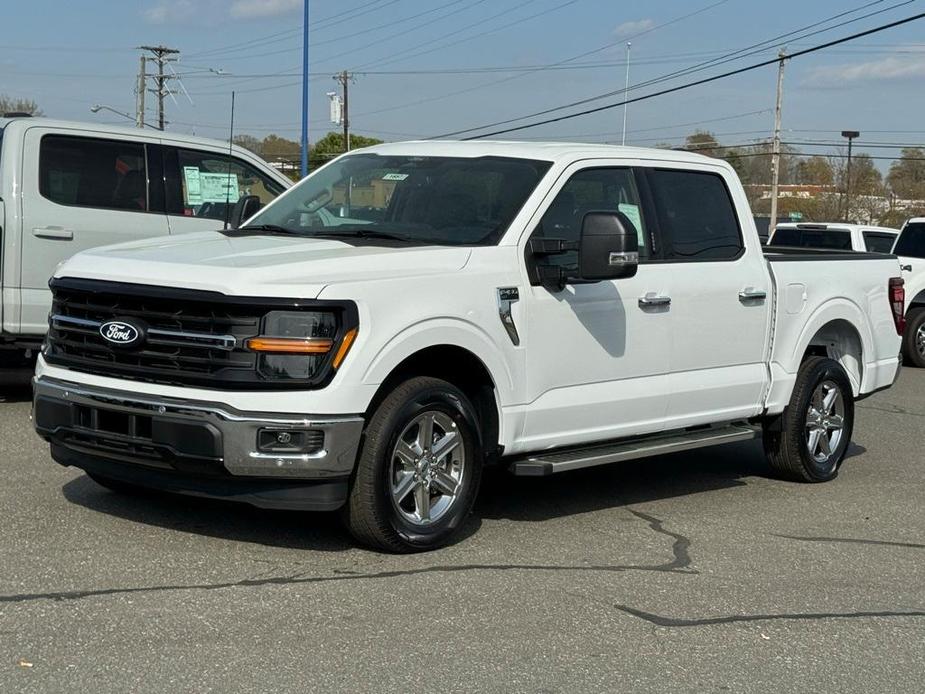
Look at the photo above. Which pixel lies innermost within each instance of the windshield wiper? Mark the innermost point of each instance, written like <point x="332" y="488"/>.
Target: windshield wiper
<point x="272" y="228"/>
<point x="363" y="234"/>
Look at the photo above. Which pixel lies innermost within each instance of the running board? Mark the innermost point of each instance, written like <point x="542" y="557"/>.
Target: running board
<point x="558" y="460"/>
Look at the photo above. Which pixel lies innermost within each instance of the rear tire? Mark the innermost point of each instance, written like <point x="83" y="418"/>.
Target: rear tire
<point x="914" y="338"/>
<point x="419" y="468"/>
<point x="808" y="441"/>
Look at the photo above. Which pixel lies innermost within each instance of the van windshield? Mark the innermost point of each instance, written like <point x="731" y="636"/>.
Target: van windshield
<point x="460" y="201"/>
<point x="812" y="238"/>
<point x="911" y="242"/>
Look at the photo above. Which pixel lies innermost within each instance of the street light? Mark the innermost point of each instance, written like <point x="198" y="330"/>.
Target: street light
<point x="850" y="134"/>
<point x="96" y="108"/>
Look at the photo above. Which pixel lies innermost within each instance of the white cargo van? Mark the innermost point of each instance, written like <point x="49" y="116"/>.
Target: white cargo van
<point x="66" y="187"/>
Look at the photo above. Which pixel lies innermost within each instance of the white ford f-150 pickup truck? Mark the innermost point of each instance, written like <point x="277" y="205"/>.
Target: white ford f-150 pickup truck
<point x="412" y="312"/>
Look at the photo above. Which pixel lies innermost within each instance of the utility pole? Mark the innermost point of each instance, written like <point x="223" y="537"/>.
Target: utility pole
<point x="304" y="142"/>
<point x="850" y="134"/>
<point x="626" y="89"/>
<point x="775" y="154"/>
<point x="161" y="55"/>
<point x="344" y="78"/>
<point x="140" y="90"/>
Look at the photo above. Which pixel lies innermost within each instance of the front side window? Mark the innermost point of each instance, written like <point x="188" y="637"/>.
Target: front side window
<point x="209" y="184"/>
<point x="911" y="242"/>
<point x="593" y="190"/>
<point x="422" y="200"/>
<point x="696" y="215"/>
<point x="89" y="172"/>
<point x="878" y="242"/>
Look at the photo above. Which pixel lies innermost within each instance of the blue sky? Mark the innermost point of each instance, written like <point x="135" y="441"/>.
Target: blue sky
<point x="69" y="56"/>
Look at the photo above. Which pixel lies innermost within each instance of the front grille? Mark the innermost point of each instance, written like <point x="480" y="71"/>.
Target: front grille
<point x="190" y="339"/>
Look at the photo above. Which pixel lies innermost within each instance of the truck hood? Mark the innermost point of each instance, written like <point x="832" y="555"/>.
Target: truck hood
<point x="262" y="265"/>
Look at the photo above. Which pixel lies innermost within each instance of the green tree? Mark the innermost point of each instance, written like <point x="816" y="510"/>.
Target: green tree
<point x="815" y="170"/>
<point x="704" y="142"/>
<point x="332" y="144"/>
<point x="249" y="142"/>
<point x="8" y="104"/>
<point x="907" y="174"/>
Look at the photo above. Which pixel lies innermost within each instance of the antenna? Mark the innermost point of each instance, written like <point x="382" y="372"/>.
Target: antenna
<point x="230" y="146"/>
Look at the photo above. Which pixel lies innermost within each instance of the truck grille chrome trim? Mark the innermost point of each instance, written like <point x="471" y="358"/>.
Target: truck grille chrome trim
<point x="157" y="335"/>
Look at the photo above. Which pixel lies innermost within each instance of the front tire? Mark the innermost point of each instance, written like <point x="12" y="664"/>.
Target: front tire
<point x="419" y="468"/>
<point x="808" y="441"/>
<point x="914" y="338"/>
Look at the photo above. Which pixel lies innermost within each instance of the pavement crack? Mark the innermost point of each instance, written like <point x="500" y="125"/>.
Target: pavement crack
<point x="662" y="621"/>
<point x="855" y="540"/>
<point x="890" y="408"/>
<point x="681" y="546"/>
<point x="680" y="564"/>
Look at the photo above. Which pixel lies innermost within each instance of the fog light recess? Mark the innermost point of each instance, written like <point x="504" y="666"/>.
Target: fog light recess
<point x="299" y="441"/>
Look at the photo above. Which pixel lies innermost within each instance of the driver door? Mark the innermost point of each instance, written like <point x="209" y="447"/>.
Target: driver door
<point x="597" y="358"/>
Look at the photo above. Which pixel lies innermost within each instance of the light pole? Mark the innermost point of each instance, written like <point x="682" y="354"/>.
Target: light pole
<point x="850" y="134"/>
<point x="304" y="143"/>
<point x="626" y="88"/>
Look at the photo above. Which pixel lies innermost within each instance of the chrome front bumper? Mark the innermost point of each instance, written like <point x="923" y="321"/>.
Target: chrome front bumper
<point x="203" y="436"/>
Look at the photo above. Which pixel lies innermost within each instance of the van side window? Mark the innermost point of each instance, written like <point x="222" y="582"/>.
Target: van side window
<point x="90" y="172"/>
<point x="207" y="184"/>
<point x="696" y="215"/>
<point x="593" y="190"/>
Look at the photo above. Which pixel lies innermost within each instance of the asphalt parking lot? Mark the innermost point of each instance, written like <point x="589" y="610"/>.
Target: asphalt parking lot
<point x="691" y="572"/>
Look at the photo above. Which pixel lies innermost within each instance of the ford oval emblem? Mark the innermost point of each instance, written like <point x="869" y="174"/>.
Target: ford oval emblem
<point x="119" y="333"/>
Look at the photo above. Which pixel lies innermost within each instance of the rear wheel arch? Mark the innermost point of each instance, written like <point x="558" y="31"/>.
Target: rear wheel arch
<point x="840" y="341"/>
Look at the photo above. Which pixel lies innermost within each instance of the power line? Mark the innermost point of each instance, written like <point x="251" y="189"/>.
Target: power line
<point x="706" y="80"/>
<point x="734" y="55"/>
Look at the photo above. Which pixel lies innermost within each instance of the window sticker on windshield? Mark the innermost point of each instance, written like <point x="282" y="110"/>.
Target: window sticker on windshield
<point x="632" y="211"/>
<point x="395" y="177"/>
<point x="193" y="185"/>
<point x="219" y="187"/>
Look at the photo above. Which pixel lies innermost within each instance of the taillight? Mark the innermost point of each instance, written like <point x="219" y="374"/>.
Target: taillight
<point x="898" y="303"/>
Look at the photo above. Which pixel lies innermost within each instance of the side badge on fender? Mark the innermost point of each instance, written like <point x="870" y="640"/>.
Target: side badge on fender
<point x="506" y="297"/>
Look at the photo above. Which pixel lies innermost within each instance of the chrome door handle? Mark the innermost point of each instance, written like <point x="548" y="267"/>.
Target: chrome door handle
<point x="652" y="299"/>
<point x="53" y="233"/>
<point x="751" y="294"/>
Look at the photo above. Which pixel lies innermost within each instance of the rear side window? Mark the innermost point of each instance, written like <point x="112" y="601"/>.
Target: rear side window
<point x="838" y="239"/>
<point x="696" y="216"/>
<point x="90" y="172"/>
<point x="911" y="242"/>
<point x="208" y="184"/>
<point x="878" y="242"/>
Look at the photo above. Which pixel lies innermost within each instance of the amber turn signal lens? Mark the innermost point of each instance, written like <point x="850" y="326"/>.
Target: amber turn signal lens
<point x="344" y="347"/>
<point x="290" y="345"/>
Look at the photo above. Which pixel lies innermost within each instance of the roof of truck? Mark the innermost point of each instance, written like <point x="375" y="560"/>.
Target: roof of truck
<point x="549" y="151"/>
<point x="129" y="131"/>
<point x="835" y="226"/>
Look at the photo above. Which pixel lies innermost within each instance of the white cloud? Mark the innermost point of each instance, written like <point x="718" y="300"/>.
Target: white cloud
<point x="180" y="11"/>
<point x="263" y="8"/>
<point x="892" y="68"/>
<point x="166" y="11"/>
<point x="633" y="28"/>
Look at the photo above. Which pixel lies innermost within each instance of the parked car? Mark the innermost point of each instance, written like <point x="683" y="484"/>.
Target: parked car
<point x="910" y="247"/>
<point x="66" y="187"/>
<point x="835" y="235"/>
<point x="544" y="307"/>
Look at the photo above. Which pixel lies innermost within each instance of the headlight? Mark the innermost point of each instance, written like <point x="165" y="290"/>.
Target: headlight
<point x="298" y="345"/>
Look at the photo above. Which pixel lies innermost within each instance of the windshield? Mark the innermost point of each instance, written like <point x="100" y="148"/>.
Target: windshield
<point x="423" y="200"/>
<point x="812" y="238"/>
<point x="911" y="242"/>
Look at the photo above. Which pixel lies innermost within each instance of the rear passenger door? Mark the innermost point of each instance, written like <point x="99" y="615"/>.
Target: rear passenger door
<point x="202" y="187"/>
<point x="720" y="298"/>
<point x="78" y="193"/>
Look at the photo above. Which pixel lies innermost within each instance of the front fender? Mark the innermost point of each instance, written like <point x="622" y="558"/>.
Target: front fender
<point x="445" y="331"/>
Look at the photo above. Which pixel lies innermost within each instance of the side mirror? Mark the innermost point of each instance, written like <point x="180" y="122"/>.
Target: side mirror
<point x="609" y="248"/>
<point x="245" y="208"/>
